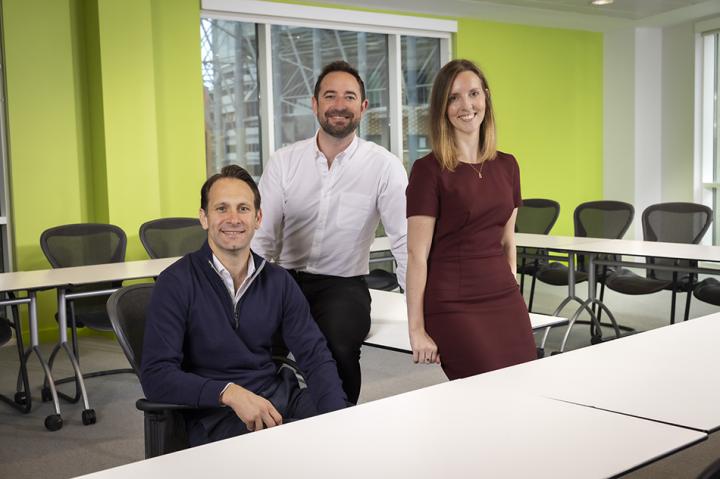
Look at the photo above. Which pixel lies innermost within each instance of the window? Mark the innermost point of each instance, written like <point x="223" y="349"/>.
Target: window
<point x="301" y="54"/>
<point x="710" y="166"/>
<point x="420" y="63"/>
<point x="230" y="84"/>
<point x="259" y="71"/>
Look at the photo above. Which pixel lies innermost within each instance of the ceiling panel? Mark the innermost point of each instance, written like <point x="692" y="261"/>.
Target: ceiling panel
<point x="629" y="9"/>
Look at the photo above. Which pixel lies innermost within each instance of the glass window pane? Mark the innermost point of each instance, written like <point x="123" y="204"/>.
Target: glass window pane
<point x="420" y="59"/>
<point x="299" y="54"/>
<point x="230" y="88"/>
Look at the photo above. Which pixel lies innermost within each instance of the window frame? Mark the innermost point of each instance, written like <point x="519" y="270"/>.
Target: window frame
<point x="707" y="114"/>
<point x="267" y="14"/>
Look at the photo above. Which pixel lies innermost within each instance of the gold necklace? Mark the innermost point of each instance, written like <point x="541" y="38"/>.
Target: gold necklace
<point x="477" y="170"/>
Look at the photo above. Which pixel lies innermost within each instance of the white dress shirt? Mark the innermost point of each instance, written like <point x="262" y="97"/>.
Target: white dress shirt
<point x="235" y="295"/>
<point x="228" y="281"/>
<point x="323" y="220"/>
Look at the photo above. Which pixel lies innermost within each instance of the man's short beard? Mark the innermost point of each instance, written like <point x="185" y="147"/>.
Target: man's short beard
<point x="338" y="132"/>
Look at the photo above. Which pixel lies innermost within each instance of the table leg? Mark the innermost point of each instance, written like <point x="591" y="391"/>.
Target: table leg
<point x="595" y="324"/>
<point x="22" y="401"/>
<point x="570" y="297"/>
<point x="53" y="422"/>
<point x="88" y="414"/>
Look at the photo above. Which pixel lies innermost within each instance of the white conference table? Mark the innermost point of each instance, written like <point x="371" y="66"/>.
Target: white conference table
<point x="594" y="247"/>
<point x="389" y="323"/>
<point x="667" y="374"/>
<point x="62" y="279"/>
<point x="454" y="429"/>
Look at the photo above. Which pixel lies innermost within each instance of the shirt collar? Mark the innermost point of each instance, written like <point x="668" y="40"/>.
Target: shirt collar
<point x="222" y="270"/>
<point x="346" y="153"/>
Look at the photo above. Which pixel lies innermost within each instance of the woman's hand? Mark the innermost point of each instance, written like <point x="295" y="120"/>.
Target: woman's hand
<point x="424" y="349"/>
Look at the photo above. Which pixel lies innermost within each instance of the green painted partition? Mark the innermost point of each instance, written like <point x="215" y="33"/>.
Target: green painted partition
<point x="105" y="118"/>
<point x="547" y="87"/>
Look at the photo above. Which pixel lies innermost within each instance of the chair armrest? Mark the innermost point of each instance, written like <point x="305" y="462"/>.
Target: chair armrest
<point x="158" y="407"/>
<point x="284" y="360"/>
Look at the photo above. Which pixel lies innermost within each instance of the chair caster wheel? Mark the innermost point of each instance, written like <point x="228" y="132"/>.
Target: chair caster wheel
<point x="46" y="394"/>
<point x="53" y="422"/>
<point x="596" y="340"/>
<point x="555" y="353"/>
<point x="88" y="417"/>
<point x="540" y="353"/>
<point x="20" y="398"/>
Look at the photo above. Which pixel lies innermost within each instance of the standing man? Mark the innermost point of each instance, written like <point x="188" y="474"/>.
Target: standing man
<point x="210" y="324"/>
<point x="323" y="198"/>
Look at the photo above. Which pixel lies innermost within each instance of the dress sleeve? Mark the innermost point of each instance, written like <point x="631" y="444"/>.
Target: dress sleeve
<point x="423" y="198"/>
<point x="517" y="197"/>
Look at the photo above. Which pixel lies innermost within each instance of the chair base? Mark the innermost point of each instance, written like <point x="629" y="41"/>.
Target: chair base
<point x="47" y="395"/>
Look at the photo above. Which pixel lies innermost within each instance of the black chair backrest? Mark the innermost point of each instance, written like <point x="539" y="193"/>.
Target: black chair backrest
<point x="712" y="471"/>
<point x="602" y="219"/>
<point x="126" y="308"/>
<point x="537" y="215"/>
<point x="83" y="244"/>
<point x="674" y="223"/>
<point x="168" y="237"/>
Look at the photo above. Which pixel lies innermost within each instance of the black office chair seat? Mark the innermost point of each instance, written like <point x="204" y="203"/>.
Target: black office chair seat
<point x="708" y="290"/>
<point x="382" y="280"/>
<point x="627" y="282"/>
<point x="93" y="314"/>
<point x="528" y="268"/>
<point x="557" y="274"/>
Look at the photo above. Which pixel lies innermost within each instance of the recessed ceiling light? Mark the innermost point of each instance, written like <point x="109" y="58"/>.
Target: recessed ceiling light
<point x="602" y="2"/>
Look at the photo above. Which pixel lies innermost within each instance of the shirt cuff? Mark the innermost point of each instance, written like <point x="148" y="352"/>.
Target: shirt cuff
<point x="223" y="391"/>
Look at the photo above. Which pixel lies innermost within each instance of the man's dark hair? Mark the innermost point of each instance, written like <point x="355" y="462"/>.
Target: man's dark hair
<point x="229" y="171"/>
<point x="339" y="66"/>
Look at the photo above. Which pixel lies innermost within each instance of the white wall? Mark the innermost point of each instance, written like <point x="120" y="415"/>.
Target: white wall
<point x="649" y="121"/>
<point x="678" y="128"/>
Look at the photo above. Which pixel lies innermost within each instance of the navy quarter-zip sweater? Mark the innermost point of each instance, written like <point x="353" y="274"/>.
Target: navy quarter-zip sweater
<point x="196" y="341"/>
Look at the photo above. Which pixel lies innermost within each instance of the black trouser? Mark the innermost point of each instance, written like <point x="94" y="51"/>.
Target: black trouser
<point x="341" y="308"/>
<point x="210" y="425"/>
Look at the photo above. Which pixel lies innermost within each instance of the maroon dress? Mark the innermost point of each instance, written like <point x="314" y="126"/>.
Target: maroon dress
<point x="473" y="308"/>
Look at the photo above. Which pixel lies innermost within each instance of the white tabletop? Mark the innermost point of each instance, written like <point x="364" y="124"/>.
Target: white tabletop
<point x="559" y="243"/>
<point x="49" y="278"/>
<point x="667" y="374"/>
<point x="389" y="324"/>
<point x="652" y="248"/>
<point x="619" y="246"/>
<point x="381" y="243"/>
<point x="450" y="430"/>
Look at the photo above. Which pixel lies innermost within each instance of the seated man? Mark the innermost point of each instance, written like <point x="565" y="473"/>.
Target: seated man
<point x="211" y="320"/>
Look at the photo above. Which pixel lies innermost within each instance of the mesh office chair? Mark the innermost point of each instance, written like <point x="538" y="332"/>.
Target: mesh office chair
<point x="708" y="290"/>
<point x="382" y="280"/>
<point x="537" y="216"/>
<point x="673" y="223"/>
<point x="84" y="244"/>
<point x="594" y="219"/>
<point x="169" y="237"/>
<point x="712" y="471"/>
<point x="164" y="423"/>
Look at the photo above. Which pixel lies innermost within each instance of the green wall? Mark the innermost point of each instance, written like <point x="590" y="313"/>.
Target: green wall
<point x="105" y="118"/>
<point x="547" y="87"/>
<point x="105" y="112"/>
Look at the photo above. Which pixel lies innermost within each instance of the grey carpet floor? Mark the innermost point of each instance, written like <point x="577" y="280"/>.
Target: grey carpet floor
<point x="28" y="450"/>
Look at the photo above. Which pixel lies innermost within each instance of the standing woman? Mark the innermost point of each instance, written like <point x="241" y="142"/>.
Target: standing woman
<point x="465" y="310"/>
